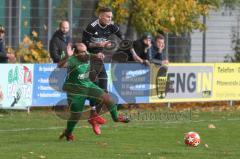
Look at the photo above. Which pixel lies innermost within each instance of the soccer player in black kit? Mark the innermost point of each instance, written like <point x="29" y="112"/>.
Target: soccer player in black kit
<point x="95" y="37"/>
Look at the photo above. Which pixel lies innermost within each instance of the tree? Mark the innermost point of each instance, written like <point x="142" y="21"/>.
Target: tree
<point x="233" y="4"/>
<point x="235" y="44"/>
<point x="174" y="16"/>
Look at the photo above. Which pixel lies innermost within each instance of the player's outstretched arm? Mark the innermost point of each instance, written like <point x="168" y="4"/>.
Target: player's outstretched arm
<point x="63" y="62"/>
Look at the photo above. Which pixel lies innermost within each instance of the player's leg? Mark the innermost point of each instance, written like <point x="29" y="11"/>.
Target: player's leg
<point x="96" y="76"/>
<point x="112" y="107"/>
<point x="102" y="83"/>
<point x="76" y="103"/>
<point x="100" y="96"/>
<point x="93" y="93"/>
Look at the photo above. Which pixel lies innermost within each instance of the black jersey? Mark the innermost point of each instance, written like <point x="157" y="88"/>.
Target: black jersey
<point x="95" y="32"/>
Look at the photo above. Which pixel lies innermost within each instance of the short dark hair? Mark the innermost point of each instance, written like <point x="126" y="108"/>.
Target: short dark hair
<point x="104" y="9"/>
<point x="159" y="36"/>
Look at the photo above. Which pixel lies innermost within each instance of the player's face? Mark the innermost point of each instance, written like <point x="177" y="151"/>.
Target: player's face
<point x="81" y="47"/>
<point x="105" y="18"/>
<point x="64" y="27"/>
<point x="81" y="52"/>
<point x="160" y="44"/>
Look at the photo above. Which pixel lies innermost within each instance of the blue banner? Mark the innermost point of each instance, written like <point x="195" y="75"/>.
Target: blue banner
<point x="47" y="86"/>
<point x="41" y="84"/>
<point x="129" y="82"/>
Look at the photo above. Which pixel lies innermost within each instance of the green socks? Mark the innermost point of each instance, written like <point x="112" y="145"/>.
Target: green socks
<point x="113" y="112"/>
<point x="70" y="125"/>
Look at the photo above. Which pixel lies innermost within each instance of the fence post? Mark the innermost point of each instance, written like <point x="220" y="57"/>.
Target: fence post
<point x="49" y="20"/>
<point x="204" y="41"/>
<point x="231" y="103"/>
<point x="168" y="104"/>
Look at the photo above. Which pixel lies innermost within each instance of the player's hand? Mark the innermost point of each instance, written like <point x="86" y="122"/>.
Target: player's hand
<point x="103" y="44"/>
<point x="108" y="44"/>
<point x="100" y="55"/>
<point x="100" y="44"/>
<point x="70" y="51"/>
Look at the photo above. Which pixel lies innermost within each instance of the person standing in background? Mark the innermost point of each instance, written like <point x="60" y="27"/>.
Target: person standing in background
<point x="5" y="57"/>
<point x="60" y="42"/>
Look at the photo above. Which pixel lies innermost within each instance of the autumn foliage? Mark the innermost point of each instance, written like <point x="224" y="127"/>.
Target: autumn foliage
<point x="31" y="50"/>
<point x="175" y="16"/>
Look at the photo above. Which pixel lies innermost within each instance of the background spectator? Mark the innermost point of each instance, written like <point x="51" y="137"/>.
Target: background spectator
<point x="59" y="42"/>
<point x="5" y="57"/>
<point x="158" y="55"/>
<point x="138" y="50"/>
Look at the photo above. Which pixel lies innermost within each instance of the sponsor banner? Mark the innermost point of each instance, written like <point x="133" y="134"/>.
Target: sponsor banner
<point x="16" y="86"/>
<point x="24" y="85"/>
<point x="47" y="87"/>
<point x="129" y="82"/>
<point x="185" y="82"/>
<point x="226" y="81"/>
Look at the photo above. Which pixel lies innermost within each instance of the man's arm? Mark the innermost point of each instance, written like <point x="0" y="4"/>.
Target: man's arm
<point x="86" y="39"/>
<point x="63" y="60"/>
<point x="139" y="59"/>
<point x="3" y="56"/>
<point x="87" y="35"/>
<point x="116" y="30"/>
<point x="53" y="49"/>
<point x="9" y="56"/>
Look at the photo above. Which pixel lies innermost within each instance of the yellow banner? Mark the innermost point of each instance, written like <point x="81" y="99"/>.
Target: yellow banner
<point x="226" y="81"/>
<point x="197" y="82"/>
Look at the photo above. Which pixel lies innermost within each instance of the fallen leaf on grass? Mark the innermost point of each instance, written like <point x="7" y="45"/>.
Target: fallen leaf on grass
<point x="42" y="157"/>
<point x="211" y="126"/>
<point x="206" y="145"/>
<point x="101" y="143"/>
<point x="85" y="126"/>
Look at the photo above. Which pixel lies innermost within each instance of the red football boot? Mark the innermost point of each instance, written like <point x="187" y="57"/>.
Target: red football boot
<point x="68" y="136"/>
<point x="95" y="127"/>
<point x="99" y="119"/>
<point x="123" y="119"/>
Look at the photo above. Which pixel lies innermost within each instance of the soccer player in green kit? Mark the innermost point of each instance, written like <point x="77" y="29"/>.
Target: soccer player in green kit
<point x="79" y="88"/>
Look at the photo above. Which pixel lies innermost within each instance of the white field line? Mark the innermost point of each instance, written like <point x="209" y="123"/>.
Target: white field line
<point x="106" y="126"/>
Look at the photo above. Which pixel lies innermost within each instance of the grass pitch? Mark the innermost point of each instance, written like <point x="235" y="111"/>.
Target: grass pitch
<point x="35" y="135"/>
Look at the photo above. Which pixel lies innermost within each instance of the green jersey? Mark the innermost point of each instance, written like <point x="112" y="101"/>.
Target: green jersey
<point x="77" y="72"/>
<point x="77" y="80"/>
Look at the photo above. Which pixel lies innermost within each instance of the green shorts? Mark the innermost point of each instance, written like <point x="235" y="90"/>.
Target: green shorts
<point x="77" y="94"/>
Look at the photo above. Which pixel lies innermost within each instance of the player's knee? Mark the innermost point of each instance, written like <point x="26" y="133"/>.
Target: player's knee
<point x="107" y="99"/>
<point x="75" y="116"/>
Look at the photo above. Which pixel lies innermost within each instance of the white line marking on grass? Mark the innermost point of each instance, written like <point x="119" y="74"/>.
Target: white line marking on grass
<point x="120" y="125"/>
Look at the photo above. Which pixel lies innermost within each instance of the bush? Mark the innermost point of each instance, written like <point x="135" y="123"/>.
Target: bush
<point x="31" y="50"/>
